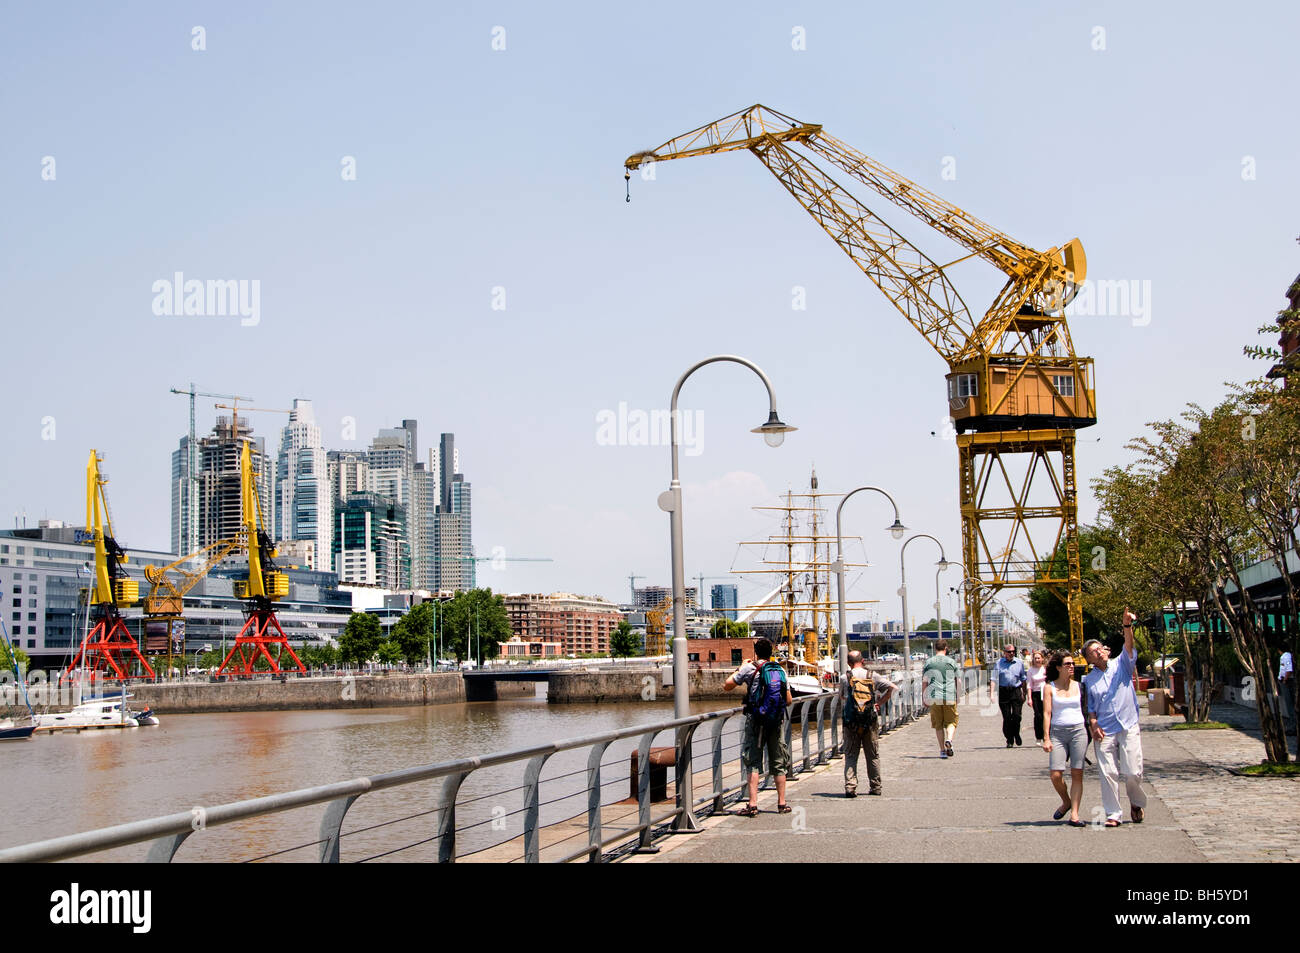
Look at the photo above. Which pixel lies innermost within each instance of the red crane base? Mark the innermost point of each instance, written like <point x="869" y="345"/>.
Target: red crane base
<point x="109" y="649"/>
<point x="253" y="640"/>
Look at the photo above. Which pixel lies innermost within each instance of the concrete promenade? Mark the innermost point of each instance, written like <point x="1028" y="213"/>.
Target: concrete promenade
<point x="990" y="803"/>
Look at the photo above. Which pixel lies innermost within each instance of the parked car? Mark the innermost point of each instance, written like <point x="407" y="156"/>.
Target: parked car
<point x="891" y="657"/>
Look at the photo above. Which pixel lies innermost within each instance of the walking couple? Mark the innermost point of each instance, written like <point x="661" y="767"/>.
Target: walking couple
<point x="1103" y="707"/>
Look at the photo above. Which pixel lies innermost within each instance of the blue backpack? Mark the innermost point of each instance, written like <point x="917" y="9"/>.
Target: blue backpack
<point x="765" y="702"/>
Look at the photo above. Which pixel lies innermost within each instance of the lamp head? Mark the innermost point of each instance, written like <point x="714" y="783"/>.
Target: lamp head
<point x="897" y="530"/>
<point x="943" y="564"/>
<point x="774" y="431"/>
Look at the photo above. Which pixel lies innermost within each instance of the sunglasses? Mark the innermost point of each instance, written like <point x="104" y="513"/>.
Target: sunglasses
<point x="1067" y="663"/>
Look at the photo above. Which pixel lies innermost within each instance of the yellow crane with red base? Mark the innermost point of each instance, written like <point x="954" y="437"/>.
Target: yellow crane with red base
<point x="264" y="585"/>
<point x="109" y="647"/>
<point x="1017" y="391"/>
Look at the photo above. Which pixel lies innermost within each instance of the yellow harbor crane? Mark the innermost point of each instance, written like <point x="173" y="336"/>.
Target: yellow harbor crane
<point x="109" y="647"/>
<point x="1015" y="387"/>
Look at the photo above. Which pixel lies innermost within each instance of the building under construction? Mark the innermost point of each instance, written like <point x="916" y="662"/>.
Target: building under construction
<point x="217" y="467"/>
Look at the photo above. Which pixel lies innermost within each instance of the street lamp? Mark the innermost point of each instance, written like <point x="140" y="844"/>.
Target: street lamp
<point x="938" y="613"/>
<point x="897" y="531"/>
<point x="670" y="501"/>
<point x="902" y="591"/>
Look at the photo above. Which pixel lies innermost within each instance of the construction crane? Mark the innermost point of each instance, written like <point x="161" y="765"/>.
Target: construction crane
<point x="191" y="540"/>
<point x="656" y="630"/>
<point x="263" y="586"/>
<point x="1015" y="387"/>
<point x="108" y="647"/>
<point x="166" y="599"/>
<point x="631" y="581"/>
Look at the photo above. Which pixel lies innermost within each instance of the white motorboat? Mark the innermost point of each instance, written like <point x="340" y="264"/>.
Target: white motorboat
<point x="108" y="711"/>
<point x="802" y="677"/>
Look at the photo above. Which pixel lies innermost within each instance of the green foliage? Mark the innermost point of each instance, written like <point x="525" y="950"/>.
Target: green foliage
<point x="361" y="639"/>
<point x="413" y="635"/>
<point x="623" y="642"/>
<point x="472" y="620"/>
<point x="389" y="653"/>
<point x="933" y="626"/>
<point x="727" y="629"/>
<point x="319" y="656"/>
<point x="11" y="653"/>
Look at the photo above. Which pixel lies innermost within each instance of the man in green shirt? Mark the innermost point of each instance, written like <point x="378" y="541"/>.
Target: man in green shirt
<point x="939" y="684"/>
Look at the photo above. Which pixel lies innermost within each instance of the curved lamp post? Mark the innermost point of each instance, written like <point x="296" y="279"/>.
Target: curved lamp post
<point x="670" y="501"/>
<point x="902" y="591"/>
<point x="897" y="530"/>
<point x="938" y="606"/>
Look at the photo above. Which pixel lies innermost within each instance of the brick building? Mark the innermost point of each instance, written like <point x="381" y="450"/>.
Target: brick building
<point x="583" y="624"/>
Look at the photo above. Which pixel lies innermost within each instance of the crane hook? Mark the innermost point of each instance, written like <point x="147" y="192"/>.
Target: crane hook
<point x="627" y="179"/>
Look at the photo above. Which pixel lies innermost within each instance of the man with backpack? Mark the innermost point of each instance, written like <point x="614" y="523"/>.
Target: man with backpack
<point x="767" y="698"/>
<point x="863" y="693"/>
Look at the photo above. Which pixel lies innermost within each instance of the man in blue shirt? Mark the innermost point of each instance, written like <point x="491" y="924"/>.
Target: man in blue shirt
<point x="1113" y="724"/>
<point x="1009" y="681"/>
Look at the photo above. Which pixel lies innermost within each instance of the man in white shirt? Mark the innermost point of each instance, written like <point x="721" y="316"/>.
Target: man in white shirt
<point x="1113" y="724"/>
<point x="1286" y="686"/>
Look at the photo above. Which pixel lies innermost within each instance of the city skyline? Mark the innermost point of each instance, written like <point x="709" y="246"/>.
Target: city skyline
<point x="425" y="262"/>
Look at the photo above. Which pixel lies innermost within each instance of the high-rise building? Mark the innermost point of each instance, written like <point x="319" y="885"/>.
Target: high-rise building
<point x="425" y="568"/>
<point x="220" y="511"/>
<point x="304" y="497"/>
<point x="349" y="472"/>
<point x="724" y="598"/>
<point x="649" y="597"/>
<point x="370" y="542"/>
<point x="391" y="461"/>
<point x="452" y="525"/>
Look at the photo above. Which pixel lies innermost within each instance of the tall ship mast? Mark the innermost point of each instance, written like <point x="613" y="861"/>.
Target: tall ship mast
<point x="799" y="560"/>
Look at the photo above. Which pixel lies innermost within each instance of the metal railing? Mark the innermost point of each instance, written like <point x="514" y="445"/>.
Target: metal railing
<point x="816" y="718"/>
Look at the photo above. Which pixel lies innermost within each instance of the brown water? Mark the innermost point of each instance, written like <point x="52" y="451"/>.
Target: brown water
<point x="65" y="783"/>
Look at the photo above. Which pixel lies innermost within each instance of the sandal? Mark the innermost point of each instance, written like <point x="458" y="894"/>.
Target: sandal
<point x="749" y="810"/>
<point x="1060" y="813"/>
<point x="1077" y="823"/>
<point x="1111" y="822"/>
<point x="783" y="809"/>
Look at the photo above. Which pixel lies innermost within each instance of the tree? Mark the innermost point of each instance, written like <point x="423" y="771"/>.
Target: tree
<point x="390" y="653"/>
<point x="933" y="626"/>
<point x="727" y="629"/>
<point x="11" y="654"/>
<point x="413" y="634"/>
<point x="473" y="621"/>
<point x="623" y="642"/>
<point x="360" y="639"/>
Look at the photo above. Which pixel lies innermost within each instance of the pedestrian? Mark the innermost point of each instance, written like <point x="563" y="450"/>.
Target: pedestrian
<point x="1007" y="688"/>
<point x="1286" y="686"/>
<point x="1037" y="678"/>
<point x="767" y="698"/>
<point x="1113" y="724"/>
<point x="1067" y="735"/>
<point x="863" y="693"/>
<point x="939" y="694"/>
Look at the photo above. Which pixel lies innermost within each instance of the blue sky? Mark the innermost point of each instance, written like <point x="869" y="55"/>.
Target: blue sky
<point x="481" y="168"/>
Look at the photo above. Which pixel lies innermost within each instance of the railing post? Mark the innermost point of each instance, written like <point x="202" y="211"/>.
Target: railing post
<point x="718" y="786"/>
<point x="685" y="822"/>
<point x="447" y="823"/>
<point x="821" y="729"/>
<point x="593" y="800"/>
<point x="787" y="730"/>
<point x="164" y="849"/>
<point x="644" y="846"/>
<point x="532" y="810"/>
<point x="836" y="749"/>
<point x="804" y="728"/>
<point x="331" y="828"/>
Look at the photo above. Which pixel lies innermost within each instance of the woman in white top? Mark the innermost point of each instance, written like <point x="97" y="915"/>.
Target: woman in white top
<point x="1037" y="673"/>
<point x="1067" y="737"/>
